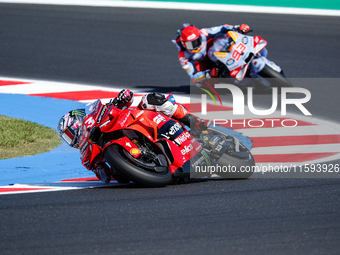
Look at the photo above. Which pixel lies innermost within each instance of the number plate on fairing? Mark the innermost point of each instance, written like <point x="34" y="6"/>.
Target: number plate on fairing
<point x="239" y="51"/>
<point x="233" y="50"/>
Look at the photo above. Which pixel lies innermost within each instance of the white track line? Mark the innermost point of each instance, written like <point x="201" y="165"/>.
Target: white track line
<point x="289" y="131"/>
<point x="320" y="148"/>
<point x="184" y="6"/>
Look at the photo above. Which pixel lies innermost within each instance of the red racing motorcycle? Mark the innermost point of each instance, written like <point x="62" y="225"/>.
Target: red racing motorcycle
<point x="151" y="149"/>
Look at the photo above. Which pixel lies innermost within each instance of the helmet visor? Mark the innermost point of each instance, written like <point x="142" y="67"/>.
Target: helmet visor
<point x="70" y="125"/>
<point x="193" y="45"/>
<point x="68" y="136"/>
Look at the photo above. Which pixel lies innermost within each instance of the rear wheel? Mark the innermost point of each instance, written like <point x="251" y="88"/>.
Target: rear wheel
<point x="237" y="161"/>
<point x="238" y="167"/>
<point x="149" y="171"/>
<point x="276" y="79"/>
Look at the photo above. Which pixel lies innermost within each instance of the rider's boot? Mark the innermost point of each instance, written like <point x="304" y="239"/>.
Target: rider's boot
<point x="102" y="172"/>
<point x="196" y="124"/>
<point x="158" y="102"/>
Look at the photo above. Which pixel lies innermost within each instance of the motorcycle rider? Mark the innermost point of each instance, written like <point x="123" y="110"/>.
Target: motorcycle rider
<point x="70" y="125"/>
<point x="193" y="45"/>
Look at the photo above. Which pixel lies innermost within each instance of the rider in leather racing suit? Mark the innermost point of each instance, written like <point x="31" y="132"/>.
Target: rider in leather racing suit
<point x="70" y="125"/>
<point x="193" y="45"/>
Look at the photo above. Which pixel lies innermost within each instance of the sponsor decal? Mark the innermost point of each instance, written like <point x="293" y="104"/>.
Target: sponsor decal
<point x="238" y="51"/>
<point x="218" y="148"/>
<point x="134" y="151"/>
<point x="220" y="54"/>
<point x="199" y="162"/>
<point x="139" y="114"/>
<point x="89" y="122"/>
<point x="198" y="148"/>
<point x="214" y="140"/>
<point x="182" y="138"/>
<point x="175" y="128"/>
<point x="104" y="124"/>
<point x="233" y="35"/>
<point x="245" y="40"/>
<point x="233" y="73"/>
<point x="206" y="157"/>
<point x="190" y="37"/>
<point x="84" y="147"/>
<point x="167" y="137"/>
<point x="230" y="61"/>
<point x="183" y="61"/>
<point x="187" y="149"/>
<point x="205" y="31"/>
<point x="79" y="112"/>
<point x="126" y="118"/>
<point x="102" y="114"/>
<point x="159" y="118"/>
<point x="200" y="78"/>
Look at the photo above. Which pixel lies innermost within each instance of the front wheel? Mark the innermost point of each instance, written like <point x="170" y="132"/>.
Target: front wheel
<point x="154" y="173"/>
<point x="276" y="79"/>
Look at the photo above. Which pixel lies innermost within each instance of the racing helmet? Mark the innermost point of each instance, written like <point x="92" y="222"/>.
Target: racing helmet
<point x="125" y="99"/>
<point x="69" y="127"/>
<point x="191" y="38"/>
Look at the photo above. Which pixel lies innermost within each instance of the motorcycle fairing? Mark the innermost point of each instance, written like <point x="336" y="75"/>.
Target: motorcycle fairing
<point x="180" y="143"/>
<point x="127" y="144"/>
<point x="153" y="125"/>
<point x="236" y="56"/>
<point x="259" y="44"/>
<point x="258" y="63"/>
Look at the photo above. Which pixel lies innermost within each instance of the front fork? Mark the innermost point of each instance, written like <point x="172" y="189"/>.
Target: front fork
<point x="259" y="62"/>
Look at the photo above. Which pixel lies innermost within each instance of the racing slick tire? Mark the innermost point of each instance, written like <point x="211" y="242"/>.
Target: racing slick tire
<point x="276" y="79"/>
<point x="154" y="174"/>
<point x="240" y="164"/>
<point x="241" y="168"/>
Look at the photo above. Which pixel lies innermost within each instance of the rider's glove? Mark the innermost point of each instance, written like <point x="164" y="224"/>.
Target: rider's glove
<point x="207" y="74"/>
<point x="244" y="28"/>
<point x="125" y="96"/>
<point x="203" y="124"/>
<point x="198" y="56"/>
<point x="112" y="101"/>
<point x="213" y="73"/>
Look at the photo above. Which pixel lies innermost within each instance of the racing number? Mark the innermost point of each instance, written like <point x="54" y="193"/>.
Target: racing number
<point x="89" y="122"/>
<point x="238" y="51"/>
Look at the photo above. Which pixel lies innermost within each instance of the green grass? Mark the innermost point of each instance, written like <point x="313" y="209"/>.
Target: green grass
<point x="20" y="138"/>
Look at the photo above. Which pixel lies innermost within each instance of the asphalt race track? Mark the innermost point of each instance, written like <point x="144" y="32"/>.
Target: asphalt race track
<point x="132" y="48"/>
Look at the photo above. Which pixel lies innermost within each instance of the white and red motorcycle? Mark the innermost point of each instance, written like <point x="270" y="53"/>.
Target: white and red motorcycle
<point x="241" y="56"/>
